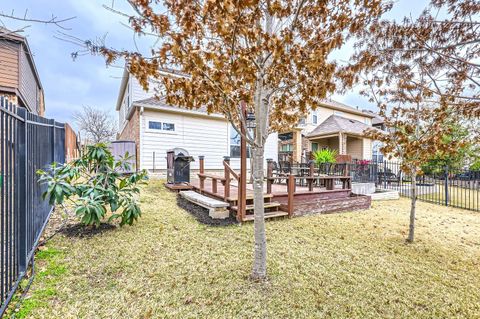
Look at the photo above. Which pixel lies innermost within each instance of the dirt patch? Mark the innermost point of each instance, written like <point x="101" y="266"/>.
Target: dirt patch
<point x="201" y="214"/>
<point x="81" y="231"/>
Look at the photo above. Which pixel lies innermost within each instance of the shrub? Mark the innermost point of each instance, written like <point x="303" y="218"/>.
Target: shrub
<point x="325" y="156"/>
<point x="94" y="184"/>
<point x="475" y="166"/>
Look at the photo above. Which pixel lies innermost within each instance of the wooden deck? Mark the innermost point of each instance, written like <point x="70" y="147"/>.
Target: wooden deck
<point x="283" y="194"/>
<point x="277" y="189"/>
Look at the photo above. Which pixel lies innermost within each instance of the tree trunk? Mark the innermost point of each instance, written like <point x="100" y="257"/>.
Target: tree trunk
<point x="259" y="270"/>
<point x="413" y="193"/>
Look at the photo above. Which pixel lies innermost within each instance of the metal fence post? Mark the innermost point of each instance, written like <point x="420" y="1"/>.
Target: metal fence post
<point x="52" y="122"/>
<point x="446" y="185"/>
<point x="385" y="174"/>
<point x="22" y="191"/>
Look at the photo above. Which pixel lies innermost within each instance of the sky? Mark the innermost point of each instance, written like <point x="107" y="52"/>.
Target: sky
<point x="69" y="84"/>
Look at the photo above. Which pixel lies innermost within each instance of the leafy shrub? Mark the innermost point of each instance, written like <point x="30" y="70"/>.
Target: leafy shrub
<point x="475" y="166"/>
<point x="93" y="184"/>
<point x="325" y="156"/>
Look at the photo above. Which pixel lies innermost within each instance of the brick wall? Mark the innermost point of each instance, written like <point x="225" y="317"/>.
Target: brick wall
<point x="131" y="132"/>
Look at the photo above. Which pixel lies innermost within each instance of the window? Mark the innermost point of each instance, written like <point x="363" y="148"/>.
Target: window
<point x="302" y="121"/>
<point x="235" y="139"/>
<point x="377" y="155"/>
<point x="159" y="126"/>
<point x="314" y="147"/>
<point x="154" y="125"/>
<point x="286" y="148"/>
<point x="314" y="118"/>
<point x="168" y="127"/>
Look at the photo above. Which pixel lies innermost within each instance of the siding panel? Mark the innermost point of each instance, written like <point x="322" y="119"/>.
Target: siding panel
<point x="138" y="93"/>
<point x="28" y="84"/>
<point x="9" y="64"/>
<point x="198" y="135"/>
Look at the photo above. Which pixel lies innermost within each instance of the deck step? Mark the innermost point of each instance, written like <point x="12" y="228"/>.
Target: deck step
<point x="216" y="208"/>
<point x="249" y="197"/>
<point x="279" y="213"/>
<point x="265" y="205"/>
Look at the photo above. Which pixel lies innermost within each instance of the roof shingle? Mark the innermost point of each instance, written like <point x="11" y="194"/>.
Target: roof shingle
<point x="335" y="124"/>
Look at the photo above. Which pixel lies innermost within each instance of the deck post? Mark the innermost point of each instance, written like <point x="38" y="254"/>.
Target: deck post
<point x="201" y="160"/>
<point x="269" y="175"/>
<point x="311" y="173"/>
<point x="226" y="174"/>
<point x="291" y="194"/>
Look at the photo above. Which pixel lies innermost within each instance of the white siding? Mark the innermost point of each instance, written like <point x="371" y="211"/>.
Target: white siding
<point x="367" y="149"/>
<point x="199" y="135"/>
<point x="323" y="113"/>
<point x="138" y="93"/>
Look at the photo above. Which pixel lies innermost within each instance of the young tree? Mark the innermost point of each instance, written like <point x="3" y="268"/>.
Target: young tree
<point x="417" y="71"/>
<point x="270" y="55"/>
<point x="97" y="125"/>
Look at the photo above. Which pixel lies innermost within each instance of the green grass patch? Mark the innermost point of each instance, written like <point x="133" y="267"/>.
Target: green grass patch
<point x="346" y="265"/>
<point x="49" y="269"/>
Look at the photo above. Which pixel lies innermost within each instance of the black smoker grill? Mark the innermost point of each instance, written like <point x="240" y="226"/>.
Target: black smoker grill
<point x="178" y="166"/>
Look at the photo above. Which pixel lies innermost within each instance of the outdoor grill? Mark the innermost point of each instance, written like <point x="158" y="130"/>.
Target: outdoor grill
<point x="178" y="166"/>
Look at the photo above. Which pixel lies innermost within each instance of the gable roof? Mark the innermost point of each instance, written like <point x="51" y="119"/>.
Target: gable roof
<point x="9" y="35"/>
<point x="377" y="119"/>
<point x="343" y="107"/>
<point x="335" y="124"/>
<point x="161" y="105"/>
<point x="172" y="73"/>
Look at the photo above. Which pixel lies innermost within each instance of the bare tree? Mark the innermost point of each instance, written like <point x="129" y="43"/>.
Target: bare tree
<point x="13" y="16"/>
<point x="96" y="125"/>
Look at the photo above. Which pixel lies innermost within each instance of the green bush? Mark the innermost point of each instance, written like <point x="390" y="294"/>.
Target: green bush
<point x="325" y="156"/>
<point x="93" y="184"/>
<point x="475" y="166"/>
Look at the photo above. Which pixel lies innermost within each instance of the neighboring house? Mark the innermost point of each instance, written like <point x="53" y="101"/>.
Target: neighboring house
<point x="157" y="127"/>
<point x="377" y="122"/>
<point x="19" y="80"/>
<point x="332" y="125"/>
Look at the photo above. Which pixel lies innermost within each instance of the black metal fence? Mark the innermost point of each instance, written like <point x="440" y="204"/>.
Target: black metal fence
<point x="439" y="185"/>
<point x="28" y="143"/>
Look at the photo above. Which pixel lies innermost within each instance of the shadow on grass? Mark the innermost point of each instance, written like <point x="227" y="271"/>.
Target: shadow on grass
<point x="81" y="231"/>
<point x="201" y="214"/>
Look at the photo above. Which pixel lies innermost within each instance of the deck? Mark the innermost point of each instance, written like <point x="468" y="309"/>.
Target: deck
<point x="283" y="194"/>
<point x="277" y="189"/>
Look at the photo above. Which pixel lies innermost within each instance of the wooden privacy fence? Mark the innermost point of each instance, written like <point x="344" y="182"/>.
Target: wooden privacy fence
<point x="28" y="143"/>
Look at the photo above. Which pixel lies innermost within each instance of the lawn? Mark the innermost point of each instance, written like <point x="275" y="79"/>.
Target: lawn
<point x="348" y="265"/>
<point x="458" y="196"/>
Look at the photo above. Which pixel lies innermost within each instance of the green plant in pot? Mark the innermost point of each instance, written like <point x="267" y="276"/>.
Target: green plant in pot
<point x="324" y="158"/>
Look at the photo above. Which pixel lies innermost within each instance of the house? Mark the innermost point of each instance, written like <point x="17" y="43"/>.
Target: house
<point x="331" y="125"/>
<point x="19" y="80"/>
<point x="157" y="127"/>
<point x="378" y="122"/>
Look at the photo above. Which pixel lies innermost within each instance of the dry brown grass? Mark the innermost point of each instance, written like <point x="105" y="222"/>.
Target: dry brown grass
<point x="350" y="265"/>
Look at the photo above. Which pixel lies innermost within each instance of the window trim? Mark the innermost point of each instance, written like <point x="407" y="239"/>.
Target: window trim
<point x="161" y="130"/>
